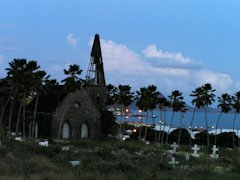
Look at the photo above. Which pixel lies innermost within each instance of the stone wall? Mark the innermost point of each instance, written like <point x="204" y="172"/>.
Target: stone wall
<point x="77" y="108"/>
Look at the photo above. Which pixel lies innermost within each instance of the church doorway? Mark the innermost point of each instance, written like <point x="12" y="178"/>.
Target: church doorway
<point x="84" y="131"/>
<point x="66" y="131"/>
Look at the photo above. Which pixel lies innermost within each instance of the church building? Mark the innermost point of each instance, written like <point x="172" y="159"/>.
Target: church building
<point x="75" y="114"/>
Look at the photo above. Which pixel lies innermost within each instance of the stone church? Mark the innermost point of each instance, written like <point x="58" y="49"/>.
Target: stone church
<point x="75" y="114"/>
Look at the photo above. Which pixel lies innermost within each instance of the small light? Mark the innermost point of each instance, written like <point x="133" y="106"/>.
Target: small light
<point x="212" y="127"/>
<point x="134" y="130"/>
<point x="139" y="110"/>
<point x="127" y="110"/>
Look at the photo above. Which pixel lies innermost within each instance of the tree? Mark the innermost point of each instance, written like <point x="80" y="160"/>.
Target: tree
<point x="124" y="97"/>
<point x="183" y="109"/>
<point x="225" y="105"/>
<point x="177" y="104"/>
<point x="73" y="81"/>
<point x="197" y="103"/>
<point x="5" y="96"/>
<point x="236" y="107"/>
<point x="163" y="104"/>
<point x="147" y="99"/>
<point x="207" y="99"/>
<point x="112" y="90"/>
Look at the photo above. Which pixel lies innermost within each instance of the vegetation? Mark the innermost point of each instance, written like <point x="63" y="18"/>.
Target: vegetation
<point x="26" y="81"/>
<point x="111" y="159"/>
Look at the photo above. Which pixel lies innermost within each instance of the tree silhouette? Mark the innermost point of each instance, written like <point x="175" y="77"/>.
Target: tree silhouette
<point x="197" y="103"/>
<point x="147" y="99"/>
<point x="225" y="105"/>
<point x="236" y="107"/>
<point x="123" y="97"/>
<point x="177" y="104"/>
<point x="207" y="99"/>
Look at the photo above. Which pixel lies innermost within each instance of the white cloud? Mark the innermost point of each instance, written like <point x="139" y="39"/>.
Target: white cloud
<point x="124" y="66"/>
<point x="118" y="57"/>
<point x="152" y="52"/>
<point x="71" y="40"/>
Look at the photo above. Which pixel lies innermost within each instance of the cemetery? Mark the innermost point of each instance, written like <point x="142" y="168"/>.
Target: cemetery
<point x="111" y="158"/>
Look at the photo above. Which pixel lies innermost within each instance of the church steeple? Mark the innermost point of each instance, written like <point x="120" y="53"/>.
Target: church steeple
<point x="95" y="73"/>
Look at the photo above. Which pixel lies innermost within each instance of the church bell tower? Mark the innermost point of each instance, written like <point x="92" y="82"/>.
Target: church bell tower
<point x="95" y="72"/>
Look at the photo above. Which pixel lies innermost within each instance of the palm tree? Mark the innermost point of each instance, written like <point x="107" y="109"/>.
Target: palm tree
<point x="15" y="74"/>
<point x="123" y="97"/>
<point x="147" y="99"/>
<point x="225" y="104"/>
<point x="5" y="94"/>
<point x="162" y="105"/>
<point x="166" y="105"/>
<point x="207" y="99"/>
<point x="236" y="106"/>
<point x="197" y="103"/>
<point x="37" y="88"/>
<point x="153" y="101"/>
<point x="73" y="81"/>
<point x="112" y="90"/>
<point x="176" y="100"/>
<point x="183" y="109"/>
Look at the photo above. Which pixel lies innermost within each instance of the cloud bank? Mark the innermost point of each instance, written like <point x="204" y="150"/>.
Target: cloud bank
<point x="124" y="66"/>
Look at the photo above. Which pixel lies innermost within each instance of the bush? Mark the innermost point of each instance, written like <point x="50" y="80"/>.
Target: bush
<point x="225" y="139"/>
<point x="201" y="138"/>
<point x="184" y="138"/>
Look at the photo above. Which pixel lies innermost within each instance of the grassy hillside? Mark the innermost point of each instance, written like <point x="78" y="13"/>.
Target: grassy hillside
<point x="110" y="159"/>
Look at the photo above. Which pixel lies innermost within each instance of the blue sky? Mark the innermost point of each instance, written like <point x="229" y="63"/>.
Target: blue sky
<point x="174" y="44"/>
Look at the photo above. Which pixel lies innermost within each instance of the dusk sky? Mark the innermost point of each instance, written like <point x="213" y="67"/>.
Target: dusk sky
<point x="173" y="44"/>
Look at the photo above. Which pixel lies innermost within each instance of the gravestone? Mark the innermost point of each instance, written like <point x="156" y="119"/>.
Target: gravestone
<point x="174" y="146"/>
<point x="75" y="163"/>
<point x="65" y="148"/>
<point x="18" y="139"/>
<point x="195" y="150"/>
<point x="44" y="143"/>
<point x="187" y="156"/>
<point x="214" y="152"/>
<point x="173" y="161"/>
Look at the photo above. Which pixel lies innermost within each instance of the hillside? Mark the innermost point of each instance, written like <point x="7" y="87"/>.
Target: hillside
<point x="110" y="159"/>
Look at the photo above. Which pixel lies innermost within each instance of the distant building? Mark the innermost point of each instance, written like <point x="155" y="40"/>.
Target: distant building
<point x="75" y="114"/>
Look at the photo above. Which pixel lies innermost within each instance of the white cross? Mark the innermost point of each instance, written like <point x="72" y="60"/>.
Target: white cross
<point x="174" y="146"/>
<point x="195" y="149"/>
<point x="214" y="151"/>
<point x="173" y="161"/>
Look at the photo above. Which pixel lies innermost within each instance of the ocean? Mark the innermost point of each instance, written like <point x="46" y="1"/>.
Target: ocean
<point x="226" y="121"/>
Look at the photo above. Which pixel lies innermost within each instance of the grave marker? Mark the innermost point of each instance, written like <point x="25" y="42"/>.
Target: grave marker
<point x="18" y="139"/>
<point x="214" y="152"/>
<point x="174" y="146"/>
<point x="195" y="150"/>
<point x="187" y="156"/>
<point x="75" y="163"/>
<point x="173" y="161"/>
<point x="44" y="143"/>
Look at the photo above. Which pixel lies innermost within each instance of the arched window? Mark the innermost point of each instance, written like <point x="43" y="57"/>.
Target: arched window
<point x="66" y="131"/>
<point x="84" y="131"/>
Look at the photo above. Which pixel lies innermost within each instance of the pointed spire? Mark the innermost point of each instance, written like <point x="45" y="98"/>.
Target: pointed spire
<point x="95" y="73"/>
<point x="96" y="48"/>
